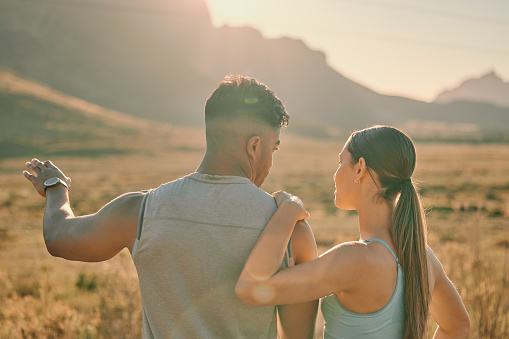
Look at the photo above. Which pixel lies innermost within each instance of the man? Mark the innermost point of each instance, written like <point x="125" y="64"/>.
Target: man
<point x="190" y="238"/>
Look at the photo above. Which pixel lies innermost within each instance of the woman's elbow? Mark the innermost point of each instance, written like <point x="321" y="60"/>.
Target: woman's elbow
<point x="465" y="326"/>
<point x="242" y="291"/>
<point x="460" y="330"/>
<point x="247" y="292"/>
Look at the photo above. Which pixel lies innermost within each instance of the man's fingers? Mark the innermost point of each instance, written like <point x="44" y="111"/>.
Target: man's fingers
<point x="29" y="176"/>
<point x="38" y="163"/>
<point x="32" y="167"/>
<point x="48" y="163"/>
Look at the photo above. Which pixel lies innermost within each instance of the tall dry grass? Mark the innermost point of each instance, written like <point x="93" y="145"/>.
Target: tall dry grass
<point x="466" y="187"/>
<point x="44" y="302"/>
<point x="477" y="264"/>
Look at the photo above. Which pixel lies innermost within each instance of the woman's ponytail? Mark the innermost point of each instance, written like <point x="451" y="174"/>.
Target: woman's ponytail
<point x="409" y="236"/>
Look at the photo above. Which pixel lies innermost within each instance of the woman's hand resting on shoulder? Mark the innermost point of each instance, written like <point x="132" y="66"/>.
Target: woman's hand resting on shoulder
<point x="292" y="201"/>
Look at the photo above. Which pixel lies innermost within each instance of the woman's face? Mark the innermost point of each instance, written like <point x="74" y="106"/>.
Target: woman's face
<point x="345" y="193"/>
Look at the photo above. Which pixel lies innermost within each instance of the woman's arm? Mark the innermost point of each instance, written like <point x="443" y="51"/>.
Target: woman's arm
<point x="259" y="284"/>
<point x="268" y="252"/>
<point x="446" y="306"/>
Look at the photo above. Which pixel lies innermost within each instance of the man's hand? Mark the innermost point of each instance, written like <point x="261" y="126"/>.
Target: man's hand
<point x="283" y="198"/>
<point x="91" y="238"/>
<point x="42" y="171"/>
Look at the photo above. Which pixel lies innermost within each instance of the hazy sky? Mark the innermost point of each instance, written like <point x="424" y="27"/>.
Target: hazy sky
<point x="401" y="47"/>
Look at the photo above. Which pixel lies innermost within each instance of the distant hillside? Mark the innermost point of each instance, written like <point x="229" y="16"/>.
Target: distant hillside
<point x="125" y="55"/>
<point x="489" y="88"/>
<point x="160" y="60"/>
<point x="37" y="120"/>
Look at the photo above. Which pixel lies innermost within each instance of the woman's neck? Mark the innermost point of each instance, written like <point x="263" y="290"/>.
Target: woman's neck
<point x="375" y="219"/>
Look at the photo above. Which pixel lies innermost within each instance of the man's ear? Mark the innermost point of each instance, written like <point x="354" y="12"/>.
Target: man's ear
<point x="253" y="146"/>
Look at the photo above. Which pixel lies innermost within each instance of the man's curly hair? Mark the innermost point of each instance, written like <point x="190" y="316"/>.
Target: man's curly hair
<point x="239" y="95"/>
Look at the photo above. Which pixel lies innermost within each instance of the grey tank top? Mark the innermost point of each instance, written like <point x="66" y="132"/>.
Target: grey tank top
<point x="387" y="322"/>
<point x="194" y="237"/>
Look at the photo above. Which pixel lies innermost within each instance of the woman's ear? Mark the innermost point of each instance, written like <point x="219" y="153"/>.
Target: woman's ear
<point x="253" y="146"/>
<point x="361" y="169"/>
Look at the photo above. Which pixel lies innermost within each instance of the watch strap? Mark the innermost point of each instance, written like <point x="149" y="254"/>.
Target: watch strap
<point x="58" y="182"/>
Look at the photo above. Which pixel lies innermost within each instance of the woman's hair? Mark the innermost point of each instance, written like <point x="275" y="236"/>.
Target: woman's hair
<point x="390" y="154"/>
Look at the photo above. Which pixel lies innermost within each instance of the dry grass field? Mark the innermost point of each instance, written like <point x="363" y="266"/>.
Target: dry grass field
<point x="465" y="187"/>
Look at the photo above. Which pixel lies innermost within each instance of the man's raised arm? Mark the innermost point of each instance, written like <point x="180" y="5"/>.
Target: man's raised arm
<point x="92" y="238"/>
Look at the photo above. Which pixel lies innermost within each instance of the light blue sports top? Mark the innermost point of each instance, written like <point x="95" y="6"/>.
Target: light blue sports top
<point x="385" y="323"/>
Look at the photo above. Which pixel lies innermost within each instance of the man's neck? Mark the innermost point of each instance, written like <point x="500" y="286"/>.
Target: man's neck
<point x="216" y="164"/>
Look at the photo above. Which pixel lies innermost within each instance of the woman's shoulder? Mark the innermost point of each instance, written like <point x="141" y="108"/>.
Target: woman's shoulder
<point x="354" y="253"/>
<point x="358" y="250"/>
<point x="351" y="247"/>
<point x="356" y="264"/>
<point x="365" y="256"/>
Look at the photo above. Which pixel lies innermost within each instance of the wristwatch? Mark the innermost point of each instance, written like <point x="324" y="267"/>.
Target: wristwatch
<point x="52" y="182"/>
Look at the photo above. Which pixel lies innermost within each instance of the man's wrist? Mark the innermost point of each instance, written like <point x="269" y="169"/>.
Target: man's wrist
<point x="53" y="183"/>
<point x="56" y="188"/>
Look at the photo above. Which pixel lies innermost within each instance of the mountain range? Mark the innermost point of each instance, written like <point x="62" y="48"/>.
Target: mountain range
<point x="489" y="88"/>
<point x="159" y="60"/>
<point x="38" y="120"/>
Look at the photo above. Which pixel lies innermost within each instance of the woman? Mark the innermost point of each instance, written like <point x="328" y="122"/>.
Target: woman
<point x="385" y="284"/>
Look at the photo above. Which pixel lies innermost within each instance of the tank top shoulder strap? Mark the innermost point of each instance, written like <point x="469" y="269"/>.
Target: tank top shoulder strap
<point x="385" y="244"/>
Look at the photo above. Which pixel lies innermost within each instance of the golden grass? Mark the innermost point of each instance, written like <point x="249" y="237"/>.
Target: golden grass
<point x="466" y="187"/>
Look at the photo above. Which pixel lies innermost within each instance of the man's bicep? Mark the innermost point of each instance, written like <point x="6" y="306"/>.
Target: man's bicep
<point x="303" y="243"/>
<point x="100" y="236"/>
<point x="298" y="320"/>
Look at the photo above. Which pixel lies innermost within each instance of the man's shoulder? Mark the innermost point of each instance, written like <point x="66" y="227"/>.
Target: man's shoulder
<point x="170" y="185"/>
<point x="253" y="189"/>
<point x="256" y="195"/>
<point x="239" y="189"/>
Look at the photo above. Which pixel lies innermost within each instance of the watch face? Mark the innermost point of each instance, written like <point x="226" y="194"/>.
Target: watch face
<point x="51" y="181"/>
